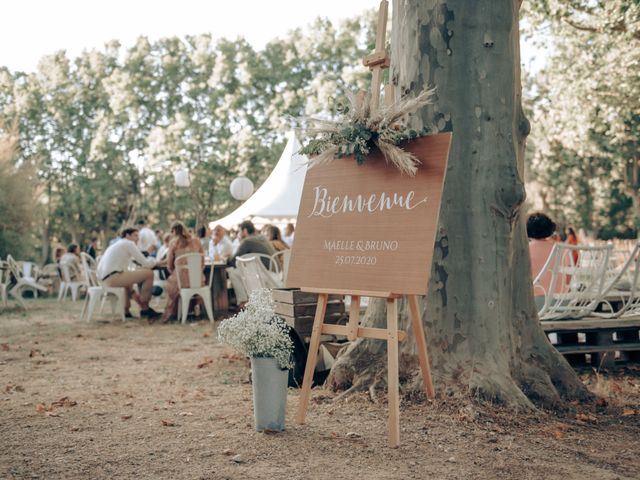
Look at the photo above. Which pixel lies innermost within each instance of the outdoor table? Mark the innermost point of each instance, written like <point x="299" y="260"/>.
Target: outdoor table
<point x="219" y="292"/>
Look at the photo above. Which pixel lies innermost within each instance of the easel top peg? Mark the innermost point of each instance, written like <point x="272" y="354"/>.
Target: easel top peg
<point x="380" y="57"/>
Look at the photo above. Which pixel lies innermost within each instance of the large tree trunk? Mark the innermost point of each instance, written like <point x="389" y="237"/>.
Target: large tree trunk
<point x="482" y="328"/>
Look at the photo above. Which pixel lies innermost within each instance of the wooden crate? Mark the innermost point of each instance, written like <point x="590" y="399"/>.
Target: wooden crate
<point x="296" y="296"/>
<point x="298" y="309"/>
<point x="597" y="341"/>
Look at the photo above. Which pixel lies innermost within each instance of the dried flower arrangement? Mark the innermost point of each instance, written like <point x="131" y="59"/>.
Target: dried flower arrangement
<point x="358" y="131"/>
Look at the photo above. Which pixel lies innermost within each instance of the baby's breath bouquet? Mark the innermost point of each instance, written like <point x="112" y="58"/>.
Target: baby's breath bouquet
<point x="257" y="332"/>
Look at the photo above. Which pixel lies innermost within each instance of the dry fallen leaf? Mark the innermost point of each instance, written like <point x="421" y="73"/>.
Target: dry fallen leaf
<point x="205" y="361"/>
<point x="168" y="423"/>
<point x="64" y="402"/>
<point x="41" y="408"/>
<point x="585" y="417"/>
<point x="558" y="434"/>
<point x="34" y="352"/>
<point x="629" y="411"/>
<point x="126" y="417"/>
<point x="206" y="334"/>
<point x="233" y="357"/>
<point x="11" y="388"/>
<point x="615" y="387"/>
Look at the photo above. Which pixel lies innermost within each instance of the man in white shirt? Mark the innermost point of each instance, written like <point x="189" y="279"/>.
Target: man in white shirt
<point x="148" y="242"/>
<point x="220" y="246"/>
<point x="113" y="271"/>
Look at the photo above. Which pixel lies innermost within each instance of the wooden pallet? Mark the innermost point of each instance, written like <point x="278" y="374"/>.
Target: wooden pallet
<point x="298" y="308"/>
<point x="596" y="341"/>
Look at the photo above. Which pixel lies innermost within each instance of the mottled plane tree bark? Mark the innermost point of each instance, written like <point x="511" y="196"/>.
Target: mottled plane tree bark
<point x="483" y="332"/>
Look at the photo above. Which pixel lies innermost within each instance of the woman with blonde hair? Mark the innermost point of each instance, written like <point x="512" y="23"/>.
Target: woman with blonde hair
<point x="275" y="239"/>
<point x="182" y="243"/>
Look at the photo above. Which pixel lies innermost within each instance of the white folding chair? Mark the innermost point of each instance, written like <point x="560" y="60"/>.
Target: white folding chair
<point x="623" y="286"/>
<point x="22" y="282"/>
<point x="192" y="264"/>
<point x="575" y="288"/>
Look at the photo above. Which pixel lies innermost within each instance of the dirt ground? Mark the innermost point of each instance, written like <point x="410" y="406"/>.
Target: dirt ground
<point x="107" y="400"/>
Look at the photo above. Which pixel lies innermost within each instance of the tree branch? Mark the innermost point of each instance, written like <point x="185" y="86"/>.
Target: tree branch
<point x="618" y="27"/>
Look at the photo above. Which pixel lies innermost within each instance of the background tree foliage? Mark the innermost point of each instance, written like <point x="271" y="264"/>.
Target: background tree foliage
<point x="16" y="197"/>
<point x="586" y="113"/>
<point x="106" y="131"/>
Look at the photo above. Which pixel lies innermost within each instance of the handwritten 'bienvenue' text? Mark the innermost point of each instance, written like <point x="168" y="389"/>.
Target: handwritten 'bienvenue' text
<point x="327" y="206"/>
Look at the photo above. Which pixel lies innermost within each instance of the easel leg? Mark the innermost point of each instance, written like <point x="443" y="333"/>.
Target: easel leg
<point x="392" y="372"/>
<point x="418" y="332"/>
<point x="312" y="357"/>
<point x="354" y="318"/>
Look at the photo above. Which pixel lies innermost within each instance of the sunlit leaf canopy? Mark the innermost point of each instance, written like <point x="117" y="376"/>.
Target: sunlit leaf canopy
<point x="585" y="114"/>
<point x="105" y="132"/>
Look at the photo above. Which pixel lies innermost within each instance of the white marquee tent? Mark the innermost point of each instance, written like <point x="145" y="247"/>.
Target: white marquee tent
<point x="278" y="198"/>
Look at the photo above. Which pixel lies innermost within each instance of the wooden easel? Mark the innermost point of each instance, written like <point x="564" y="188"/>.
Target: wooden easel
<point x="376" y="61"/>
<point x="352" y="331"/>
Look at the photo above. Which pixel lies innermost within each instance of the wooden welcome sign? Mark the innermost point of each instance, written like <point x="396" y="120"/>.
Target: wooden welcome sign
<point x="367" y="230"/>
<point x="369" y="227"/>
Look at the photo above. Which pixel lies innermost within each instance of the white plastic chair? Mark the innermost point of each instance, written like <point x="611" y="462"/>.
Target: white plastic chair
<point x="97" y="292"/>
<point x="575" y="289"/>
<point x="255" y="275"/>
<point x="193" y="263"/>
<point x="22" y="282"/>
<point x="87" y="259"/>
<point x="67" y="284"/>
<point x="29" y="270"/>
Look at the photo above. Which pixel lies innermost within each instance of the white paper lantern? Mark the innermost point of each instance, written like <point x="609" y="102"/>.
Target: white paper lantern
<point x="182" y="178"/>
<point x="241" y="188"/>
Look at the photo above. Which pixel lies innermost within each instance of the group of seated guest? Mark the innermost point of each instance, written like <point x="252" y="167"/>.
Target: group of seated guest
<point x="113" y="267"/>
<point x="139" y="245"/>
